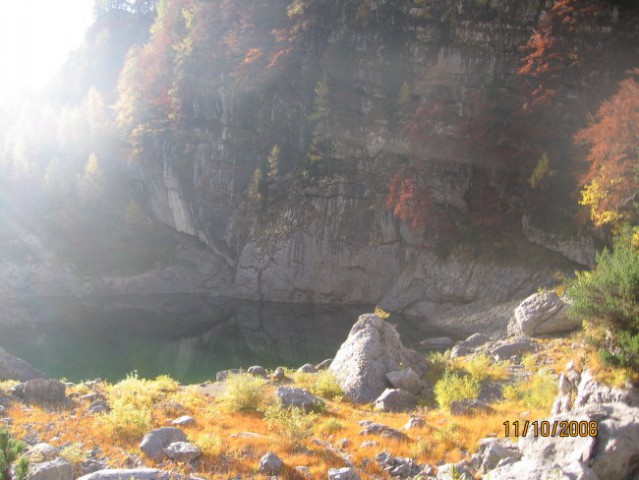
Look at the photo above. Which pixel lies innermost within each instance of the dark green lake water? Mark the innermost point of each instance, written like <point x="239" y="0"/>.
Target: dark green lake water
<point x="185" y="336"/>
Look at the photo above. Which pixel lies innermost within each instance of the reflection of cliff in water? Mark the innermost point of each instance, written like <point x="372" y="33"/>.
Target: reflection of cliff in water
<point x="188" y="337"/>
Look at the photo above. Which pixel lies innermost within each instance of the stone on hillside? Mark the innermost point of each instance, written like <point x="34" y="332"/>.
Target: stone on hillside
<point x="372" y="349"/>
<point x="468" y="346"/>
<point x="40" y="390"/>
<point x="345" y="473"/>
<point x="406" y="379"/>
<point x="469" y="407"/>
<point x="303" y="471"/>
<point x="414" y="422"/>
<point x="324" y="364"/>
<point x="99" y="406"/>
<point x="14" y="368"/>
<point x="372" y="428"/>
<point x="437" y="343"/>
<point x="224" y="374"/>
<point x="93" y="397"/>
<point x="278" y="374"/>
<point x="257" y="371"/>
<point x="395" y="400"/>
<point x="495" y="451"/>
<point x="154" y="442"/>
<point x="542" y="314"/>
<point x="270" y="464"/>
<point x="511" y="349"/>
<point x="58" y="469"/>
<point x="42" y="452"/>
<point x="183" y="421"/>
<point x="296" y="397"/>
<point x="135" y="474"/>
<point x="182" y="451"/>
<point x="307" y="368"/>
<point x="445" y="472"/>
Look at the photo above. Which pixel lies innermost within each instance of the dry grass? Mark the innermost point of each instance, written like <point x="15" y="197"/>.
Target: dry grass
<point x="303" y="440"/>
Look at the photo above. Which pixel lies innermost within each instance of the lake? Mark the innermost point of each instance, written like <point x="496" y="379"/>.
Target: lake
<point x="189" y="337"/>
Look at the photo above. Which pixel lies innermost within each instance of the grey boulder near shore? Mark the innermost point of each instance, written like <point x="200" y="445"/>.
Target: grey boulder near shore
<point x="372" y="351"/>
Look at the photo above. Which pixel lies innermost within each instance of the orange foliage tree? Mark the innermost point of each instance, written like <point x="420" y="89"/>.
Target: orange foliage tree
<point x="612" y="182"/>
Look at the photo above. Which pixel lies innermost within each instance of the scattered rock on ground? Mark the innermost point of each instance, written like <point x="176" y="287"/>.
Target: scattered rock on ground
<point x="414" y="422"/>
<point x="511" y="349"/>
<point x="155" y="441"/>
<point x="183" y="421"/>
<point x="40" y="390"/>
<point x="278" y="374"/>
<point x="182" y="451"/>
<point x="270" y="464"/>
<point x="468" y="346"/>
<point x="99" y="406"/>
<point x="258" y="371"/>
<point x="395" y="400"/>
<point x="469" y="406"/>
<point x="437" y="343"/>
<point x="307" y="368"/>
<point x="135" y="474"/>
<point x="406" y="379"/>
<point x="542" y="313"/>
<point x="372" y="349"/>
<point x="346" y="473"/>
<point x="372" y="428"/>
<point x="224" y="374"/>
<point x="58" y="469"/>
<point x="324" y="364"/>
<point x="42" y="452"/>
<point x="296" y="397"/>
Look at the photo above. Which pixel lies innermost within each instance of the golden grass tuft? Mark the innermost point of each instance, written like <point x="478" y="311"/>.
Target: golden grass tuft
<point x="243" y="393"/>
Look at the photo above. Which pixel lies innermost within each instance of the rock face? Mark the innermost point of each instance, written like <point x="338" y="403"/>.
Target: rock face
<point x="14" y="368"/>
<point x="542" y="314"/>
<point x="606" y="447"/>
<point x="154" y="442"/>
<point x="371" y="351"/>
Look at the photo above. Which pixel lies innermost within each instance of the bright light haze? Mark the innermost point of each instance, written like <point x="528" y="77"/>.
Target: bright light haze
<point x="36" y="37"/>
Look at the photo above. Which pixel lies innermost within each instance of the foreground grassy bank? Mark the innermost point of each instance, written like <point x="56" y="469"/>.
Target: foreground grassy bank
<point x="238" y="421"/>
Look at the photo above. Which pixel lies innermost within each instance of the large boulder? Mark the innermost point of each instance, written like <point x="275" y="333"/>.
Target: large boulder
<point x="395" y="400"/>
<point x="270" y="464"/>
<point x="135" y="474"/>
<point x="58" y="469"/>
<point x="296" y="397"/>
<point x="371" y="351"/>
<point x="155" y="441"/>
<point x="14" y="368"/>
<point x="40" y="390"/>
<point x="542" y="313"/>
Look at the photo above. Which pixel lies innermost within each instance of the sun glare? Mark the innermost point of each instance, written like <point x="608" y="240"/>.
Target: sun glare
<point x="36" y="37"/>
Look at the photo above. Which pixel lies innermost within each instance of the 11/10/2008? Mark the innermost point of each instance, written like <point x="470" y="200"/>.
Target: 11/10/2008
<point x="545" y="428"/>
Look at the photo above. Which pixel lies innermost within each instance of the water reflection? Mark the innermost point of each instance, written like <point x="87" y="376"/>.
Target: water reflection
<point x="188" y="337"/>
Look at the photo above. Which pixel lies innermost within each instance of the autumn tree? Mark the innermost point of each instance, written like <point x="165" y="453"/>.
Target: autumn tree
<point x="611" y="185"/>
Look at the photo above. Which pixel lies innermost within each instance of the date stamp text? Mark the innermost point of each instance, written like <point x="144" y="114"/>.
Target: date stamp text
<point x="556" y="428"/>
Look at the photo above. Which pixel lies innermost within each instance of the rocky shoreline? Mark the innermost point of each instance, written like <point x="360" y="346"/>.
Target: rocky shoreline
<point x="384" y="382"/>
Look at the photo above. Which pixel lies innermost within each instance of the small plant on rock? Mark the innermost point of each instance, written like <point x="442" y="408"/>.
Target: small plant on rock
<point x="10" y="450"/>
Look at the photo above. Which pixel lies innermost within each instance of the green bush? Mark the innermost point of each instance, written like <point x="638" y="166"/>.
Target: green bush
<point x="10" y="451"/>
<point x="453" y="387"/>
<point x="539" y="391"/>
<point x="291" y="423"/>
<point x="608" y="297"/>
<point x="243" y="392"/>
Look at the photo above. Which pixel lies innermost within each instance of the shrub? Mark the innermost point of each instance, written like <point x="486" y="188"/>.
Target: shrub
<point x="452" y="387"/>
<point x="323" y="383"/>
<point x="211" y="445"/>
<point x="292" y="423"/>
<point x="539" y="391"/>
<point x="449" y="436"/>
<point x="608" y="296"/>
<point x="243" y="393"/>
<point x="330" y="426"/>
<point x="10" y="450"/>
<point x="73" y="453"/>
<point x="481" y="367"/>
<point x="126" y="420"/>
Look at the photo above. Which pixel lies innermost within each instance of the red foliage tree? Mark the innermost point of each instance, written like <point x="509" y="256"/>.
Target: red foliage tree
<point x="611" y="185"/>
